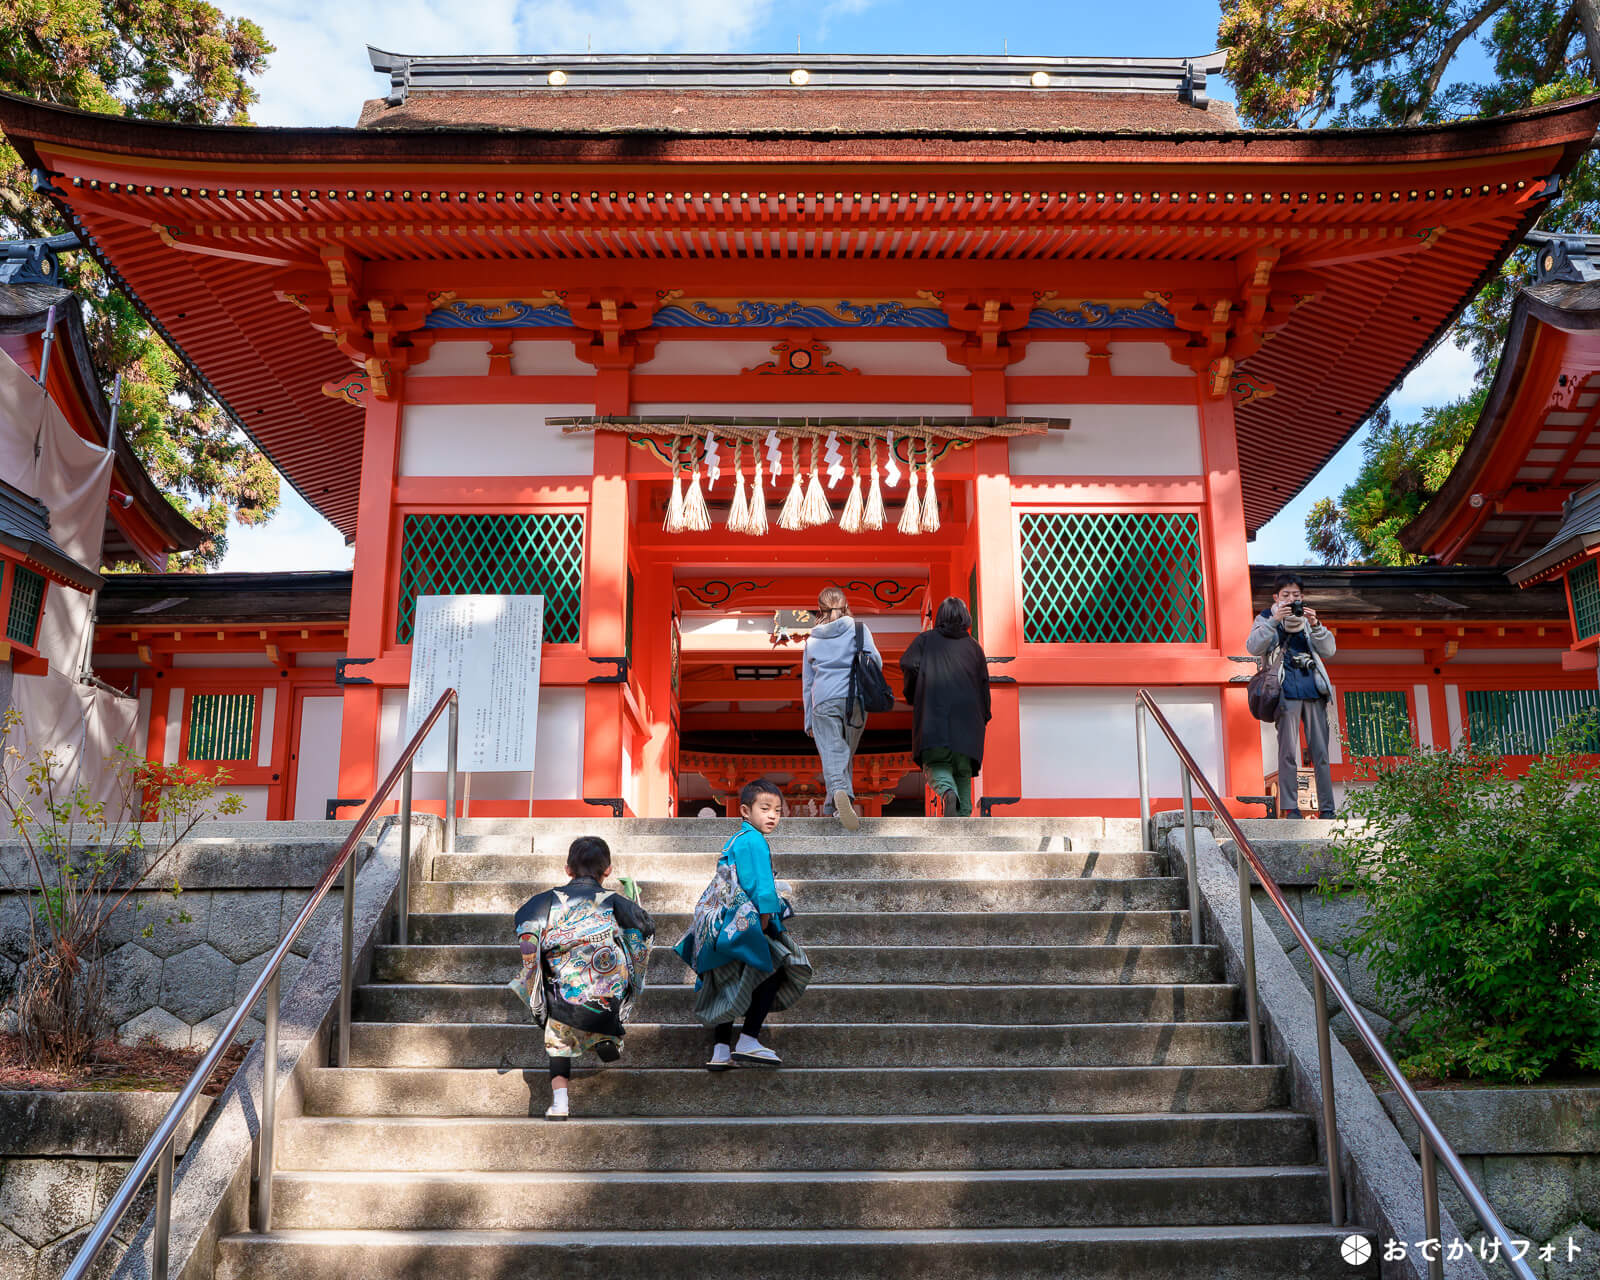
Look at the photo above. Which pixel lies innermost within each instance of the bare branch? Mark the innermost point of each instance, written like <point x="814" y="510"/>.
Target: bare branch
<point x="1430" y="86"/>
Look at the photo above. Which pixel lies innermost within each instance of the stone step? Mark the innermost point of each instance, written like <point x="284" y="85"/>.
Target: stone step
<point x="713" y="833"/>
<point x="1060" y="1253"/>
<point x="825" y="1002"/>
<point x="788" y="1201"/>
<point x="549" y="868"/>
<point x="626" y="1090"/>
<point x="856" y="964"/>
<point x="959" y="1140"/>
<point x="784" y="843"/>
<point x="930" y="929"/>
<point x="1144" y="894"/>
<point x="514" y="1046"/>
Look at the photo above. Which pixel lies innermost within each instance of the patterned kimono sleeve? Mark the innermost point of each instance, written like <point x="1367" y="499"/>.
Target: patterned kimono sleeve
<point x="529" y="982"/>
<point x="637" y="928"/>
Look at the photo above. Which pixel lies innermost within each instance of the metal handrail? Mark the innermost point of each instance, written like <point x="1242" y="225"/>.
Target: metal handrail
<point x="1432" y="1144"/>
<point x="158" y="1152"/>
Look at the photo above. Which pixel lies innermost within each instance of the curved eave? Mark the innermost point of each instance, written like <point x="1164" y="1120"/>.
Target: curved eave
<point x="27" y="122"/>
<point x="1449" y="519"/>
<point x="241" y="343"/>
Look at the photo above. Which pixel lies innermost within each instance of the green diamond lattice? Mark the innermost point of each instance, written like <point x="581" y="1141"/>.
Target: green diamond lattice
<point x="27" y="603"/>
<point x="495" y="555"/>
<point x="1585" y="583"/>
<point x="1375" y="720"/>
<point x="1123" y="578"/>
<point x="1522" y="721"/>
<point x="222" y="726"/>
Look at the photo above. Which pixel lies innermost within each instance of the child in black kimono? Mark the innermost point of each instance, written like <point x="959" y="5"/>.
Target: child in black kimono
<point x="584" y="949"/>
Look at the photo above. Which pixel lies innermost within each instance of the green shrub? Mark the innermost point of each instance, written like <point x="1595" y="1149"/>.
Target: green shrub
<point x="1482" y="895"/>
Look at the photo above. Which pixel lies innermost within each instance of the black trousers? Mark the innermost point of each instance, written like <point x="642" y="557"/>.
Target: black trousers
<point x="560" y="1067"/>
<point x="761" y="1000"/>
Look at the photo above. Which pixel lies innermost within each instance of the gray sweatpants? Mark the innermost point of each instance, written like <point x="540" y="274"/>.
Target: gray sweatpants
<point x="1313" y="713"/>
<point x="836" y="741"/>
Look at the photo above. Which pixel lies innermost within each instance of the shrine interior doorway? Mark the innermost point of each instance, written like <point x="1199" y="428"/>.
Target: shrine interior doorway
<point x="739" y="638"/>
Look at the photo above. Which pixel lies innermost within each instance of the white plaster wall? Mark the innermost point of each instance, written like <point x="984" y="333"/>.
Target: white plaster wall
<point x="1470" y="657"/>
<point x="1071" y="359"/>
<point x="1452" y="713"/>
<point x="269" y="724"/>
<point x="1377" y="657"/>
<point x="558" y="752"/>
<point x="255" y="804"/>
<point x="893" y="358"/>
<point x="821" y="405"/>
<point x="174" y="738"/>
<point x="1423" y="706"/>
<point x="317" y="738"/>
<point x="219" y="659"/>
<point x="493" y="440"/>
<point x="529" y="358"/>
<point x="1111" y="440"/>
<point x="453" y="359"/>
<point x="1080" y="742"/>
<point x="701" y="357"/>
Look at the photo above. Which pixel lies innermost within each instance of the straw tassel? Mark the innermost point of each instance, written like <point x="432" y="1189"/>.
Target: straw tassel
<point x="850" y="517"/>
<point x="674" y="520"/>
<point x="872" y="515"/>
<point x="739" y="508"/>
<point x="816" y="509"/>
<point x="756" y="514"/>
<point x="930" y="499"/>
<point x="696" y="518"/>
<point x="790" y="517"/>
<point x="911" y="517"/>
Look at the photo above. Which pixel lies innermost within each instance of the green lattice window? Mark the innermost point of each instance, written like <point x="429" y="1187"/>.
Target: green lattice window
<point x="627" y="622"/>
<point x="222" y="726"/>
<point x="1126" y="578"/>
<point x="27" y="604"/>
<point x="972" y="600"/>
<point x="1375" y="721"/>
<point x="1585" y="584"/>
<point x="499" y="555"/>
<point x="1522" y="721"/>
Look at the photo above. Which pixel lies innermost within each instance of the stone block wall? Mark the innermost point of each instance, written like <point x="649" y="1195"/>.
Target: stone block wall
<point x="182" y="983"/>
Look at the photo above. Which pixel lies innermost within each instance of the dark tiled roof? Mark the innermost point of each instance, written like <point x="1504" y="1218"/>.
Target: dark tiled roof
<point x="929" y="113"/>
<point x="1424" y="593"/>
<point x="25" y="529"/>
<point x="1579" y="532"/>
<point x="162" y="599"/>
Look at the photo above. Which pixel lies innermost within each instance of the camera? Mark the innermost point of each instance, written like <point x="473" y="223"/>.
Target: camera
<point x="1299" y="661"/>
<point x="1298" y="608"/>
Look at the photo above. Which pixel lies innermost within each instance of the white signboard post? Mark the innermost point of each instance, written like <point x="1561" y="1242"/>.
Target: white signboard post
<point x="487" y="648"/>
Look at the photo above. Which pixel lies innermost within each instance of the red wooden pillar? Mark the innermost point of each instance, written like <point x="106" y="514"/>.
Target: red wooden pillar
<point x="369" y="594"/>
<point x="652" y="656"/>
<point x="997" y="612"/>
<point x="605" y="586"/>
<point x="1232" y="610"/>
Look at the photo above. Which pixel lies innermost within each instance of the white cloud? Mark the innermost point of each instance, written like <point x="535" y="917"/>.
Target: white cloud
<point x="1447" y="374"/>
<point x="297" y="538"/>
<point x="320" y="73"/>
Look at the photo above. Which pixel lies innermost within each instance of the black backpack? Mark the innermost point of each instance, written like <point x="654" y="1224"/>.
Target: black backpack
<point x="868" y="689"/>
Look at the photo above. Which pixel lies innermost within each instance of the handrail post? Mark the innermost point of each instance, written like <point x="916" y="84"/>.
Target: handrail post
<point x="161" y="1237"/>
<point x="450" y="775"/>
<point x="1144" y="775"/>
<point x="1330" y="1120"/>
<point x="1188" y="845"/>
<point x="1430" y="1204"/>
<point x="346" y="965"/>
<point x="269" y="1109"/>
<point x="1247" y="925"/>
<point x="401" y="932"/>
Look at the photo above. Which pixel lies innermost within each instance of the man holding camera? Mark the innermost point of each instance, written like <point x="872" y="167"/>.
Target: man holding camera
<point x="1288" y="637"/>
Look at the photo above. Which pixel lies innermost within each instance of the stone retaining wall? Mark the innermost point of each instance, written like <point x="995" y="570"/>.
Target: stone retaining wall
<point x="241" y="892"/>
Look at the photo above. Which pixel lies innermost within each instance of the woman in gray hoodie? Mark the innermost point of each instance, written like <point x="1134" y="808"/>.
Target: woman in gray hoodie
<point x="831" y="721"/>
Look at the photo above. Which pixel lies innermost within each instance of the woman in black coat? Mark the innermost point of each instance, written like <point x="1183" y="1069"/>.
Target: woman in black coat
<point x="947" y="685"/>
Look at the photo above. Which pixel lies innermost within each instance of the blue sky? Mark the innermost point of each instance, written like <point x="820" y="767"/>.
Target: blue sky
<point x="320" y="76"/>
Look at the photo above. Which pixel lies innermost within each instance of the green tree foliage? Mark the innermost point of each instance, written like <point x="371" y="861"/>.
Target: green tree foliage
<point x="176" y="60"/>
<point x="1403" y="465"/>
<point x="1481" y="919"/>
<point x="1303" y="63"/>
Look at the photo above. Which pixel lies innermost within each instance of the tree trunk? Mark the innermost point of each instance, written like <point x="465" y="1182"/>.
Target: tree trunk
<point x="1588" y="14"/>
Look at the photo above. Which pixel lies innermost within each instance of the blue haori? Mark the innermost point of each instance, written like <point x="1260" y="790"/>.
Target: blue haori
<point x="726" y="946"/>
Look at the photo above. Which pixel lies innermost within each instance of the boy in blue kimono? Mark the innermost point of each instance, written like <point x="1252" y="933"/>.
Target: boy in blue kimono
<point x="748" y="964"/>
<point x="584" y="950"/>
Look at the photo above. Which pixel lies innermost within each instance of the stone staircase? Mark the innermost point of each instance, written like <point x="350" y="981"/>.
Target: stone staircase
<point x="1011" y="1063"/>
